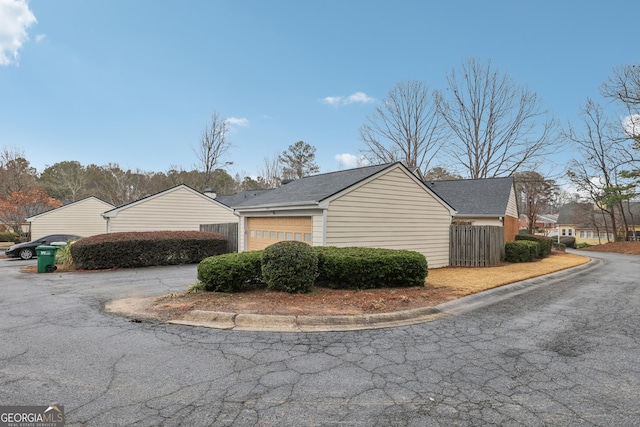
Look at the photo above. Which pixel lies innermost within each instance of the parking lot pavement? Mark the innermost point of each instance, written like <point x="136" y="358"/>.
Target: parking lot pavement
<point x="564" y="353"/>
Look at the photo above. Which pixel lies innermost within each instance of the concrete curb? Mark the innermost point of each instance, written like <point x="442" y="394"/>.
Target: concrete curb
<point x="269" y="323"/>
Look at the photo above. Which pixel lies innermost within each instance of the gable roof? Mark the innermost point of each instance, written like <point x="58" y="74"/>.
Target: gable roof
<point x="475" y="197"/>
<point x="113" y="212"/>
<point x="72" y="204"/>
<point x="314" y="189"/>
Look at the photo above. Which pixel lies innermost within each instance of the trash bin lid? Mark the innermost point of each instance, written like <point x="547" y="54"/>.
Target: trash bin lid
<point x="46" y="248"/>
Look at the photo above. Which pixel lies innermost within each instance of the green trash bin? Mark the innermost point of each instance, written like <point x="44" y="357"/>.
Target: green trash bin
<point x="46" y="258"/>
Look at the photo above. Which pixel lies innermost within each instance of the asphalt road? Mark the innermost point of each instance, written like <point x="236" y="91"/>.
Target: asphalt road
<point x="565" y="353"/>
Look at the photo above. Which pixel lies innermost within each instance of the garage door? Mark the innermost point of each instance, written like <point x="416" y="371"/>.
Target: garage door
<point x="263" y="232"/>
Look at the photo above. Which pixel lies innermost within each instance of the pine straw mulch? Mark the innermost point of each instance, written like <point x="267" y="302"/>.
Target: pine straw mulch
<point x="442" y="285"/>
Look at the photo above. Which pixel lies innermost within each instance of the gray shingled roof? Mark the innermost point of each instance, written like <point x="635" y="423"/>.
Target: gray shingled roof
<point x="308" y="190"/>
<point x="488" y="196"/>
<point x="241" y="197"/>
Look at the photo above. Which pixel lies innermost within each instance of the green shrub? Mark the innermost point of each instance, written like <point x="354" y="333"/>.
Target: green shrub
<point x="147" y="248"/>
<point x="366" y="268"/>
<point x="229" y="272"/>
<point x="7" y="236"/>
<point x="569" y="241"/>
<point x="289" y="266"/>
<point x="582" y="245"/>
<point x="559" y="246"/>
<point x="521" y="251"/>
<point x="546" y="243"/>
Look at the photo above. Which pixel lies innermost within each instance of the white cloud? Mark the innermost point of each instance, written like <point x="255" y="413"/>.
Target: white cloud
<point x="356" y="98"/>
<point x="332" y="100"/>
<point x="15" y="18"/>
<point x="359" y="97"/>
<point x="346" y="161"/>
<point x="631" y="125"/>
<point x="40" y="37"/>
<point x="238" y="121"/>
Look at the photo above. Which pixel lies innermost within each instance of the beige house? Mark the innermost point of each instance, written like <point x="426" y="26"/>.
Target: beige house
<point x="383" y="206"/>
<point x="178" y="208"/>
<point x="82" y="218"/>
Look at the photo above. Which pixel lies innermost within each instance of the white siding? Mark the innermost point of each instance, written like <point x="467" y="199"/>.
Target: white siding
<point x="82" y="218"/>
<point x="178" y="209"/>
<point x="483" y="220"/>
<point x="392" y="211"/>
<point x="512" y="206"/>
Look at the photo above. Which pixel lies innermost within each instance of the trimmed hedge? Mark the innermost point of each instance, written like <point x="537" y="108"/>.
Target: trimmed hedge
<point x="521" y="251"/>
<point x="147" y="248"/>
<point x="7" y="236"/>
<point x="229" y="272"/>
<point x="289" y="266"/>
<point x="338" y="268"/>
<point x="546" y="243"/>
<point x="559" y="246"/>
<point x="568" y="241"/>
<point x="368" y="268"/>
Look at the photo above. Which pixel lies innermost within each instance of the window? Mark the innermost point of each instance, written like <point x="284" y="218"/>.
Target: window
<point x="258" y="233"/>
<point x="252" y="233"/>
<point x="308" y="237"/>
<point x="280" y="235"/>
<point x="564" y="231"/>
<point x="299" y="237"/>
<point x="289" y="235"/>
<point x="570" y="232"/>
<point x="589" y="234"/>
<point x="582" y="234"/>
<point x="265" y="234"/>
<point x="273" y="235"/>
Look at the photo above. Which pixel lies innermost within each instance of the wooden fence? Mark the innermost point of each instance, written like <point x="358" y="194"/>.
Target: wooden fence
<point x="476" y="245"/>
<point x="230" y="230"/>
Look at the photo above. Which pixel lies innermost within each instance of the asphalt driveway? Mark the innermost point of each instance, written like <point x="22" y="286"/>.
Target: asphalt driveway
<point x="563" y="353"/>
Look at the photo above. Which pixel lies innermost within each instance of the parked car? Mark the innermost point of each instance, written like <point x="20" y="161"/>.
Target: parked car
<point x="27" y="250"/>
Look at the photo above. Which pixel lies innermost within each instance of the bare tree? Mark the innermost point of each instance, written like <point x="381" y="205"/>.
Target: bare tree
<point x="624" y="85"/>
<point x="213" y="146"/>
<point x="406" y="127"/>
<point x="603" y="152"/>
<point x="298" y="161"/>
<point x="16" y="174"/>
<point x="271" y="171"/>
<point x="499" y="125"/>
<point x="535" y="194"/>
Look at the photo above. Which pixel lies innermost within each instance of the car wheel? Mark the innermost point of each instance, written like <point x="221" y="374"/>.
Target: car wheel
<point x="26" y="254"/>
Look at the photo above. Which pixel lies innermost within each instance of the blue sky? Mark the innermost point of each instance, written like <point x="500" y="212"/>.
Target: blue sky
<point x="135" y="82"/>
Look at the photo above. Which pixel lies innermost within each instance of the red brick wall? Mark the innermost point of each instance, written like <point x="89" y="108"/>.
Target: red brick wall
<point x="511" y="228"/>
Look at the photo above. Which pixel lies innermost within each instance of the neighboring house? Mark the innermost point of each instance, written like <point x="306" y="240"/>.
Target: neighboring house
<point x="591" y="225"/>
<point x="82" y="218"/>
<point x="489" y="201"/>
<point x="546" y="224"/>
<point x="383" y="206"/>
<point x="178" y="208"/>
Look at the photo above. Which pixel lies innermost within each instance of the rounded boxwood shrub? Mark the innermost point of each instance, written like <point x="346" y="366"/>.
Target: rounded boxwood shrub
<point x="289" y="266"/>
<point x="544" y="247"/>
<point x="229" y="272"/>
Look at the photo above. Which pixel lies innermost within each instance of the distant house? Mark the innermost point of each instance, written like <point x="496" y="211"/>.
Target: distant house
<point x="82" y="218"/>
<point x="178" y="208"/>
<point x="383" y="206"/>
<point x="591" y="225"/>
<point x="490" y="201"/>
